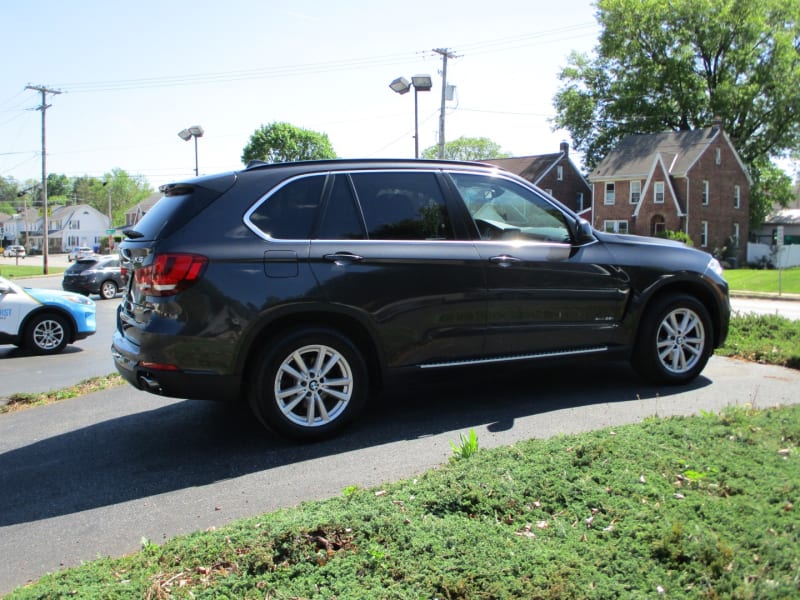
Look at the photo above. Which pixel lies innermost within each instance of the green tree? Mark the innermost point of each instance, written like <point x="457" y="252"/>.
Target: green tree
<point x="283" y="142"/>
<point x="117" y="187"/>
<point x="679" y="64"/>
<point x="58" y="185"/>
<point x="8" y="195"/>
<point x="467" y="148"/>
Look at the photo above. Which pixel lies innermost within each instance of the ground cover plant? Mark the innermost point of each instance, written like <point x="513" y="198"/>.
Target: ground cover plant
<point x="683" y="507"/>
<point x="764" y="338"/>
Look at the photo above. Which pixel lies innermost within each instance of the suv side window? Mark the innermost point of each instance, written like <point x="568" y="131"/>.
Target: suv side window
<point x="403" y="206"/>
<point x="289" y="212"/>
<point x="341" y="220"/>
<point x="501" y="209"/>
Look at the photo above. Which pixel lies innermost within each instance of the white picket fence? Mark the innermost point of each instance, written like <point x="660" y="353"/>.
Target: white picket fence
<point x="789" y="256"/>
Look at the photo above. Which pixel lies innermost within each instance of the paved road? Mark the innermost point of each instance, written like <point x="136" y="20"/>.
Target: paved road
<point x="789" y="309"/>
<point x="90" y="476"/>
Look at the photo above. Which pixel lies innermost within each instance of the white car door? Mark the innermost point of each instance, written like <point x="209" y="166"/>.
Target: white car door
<point x="14" y="305"/>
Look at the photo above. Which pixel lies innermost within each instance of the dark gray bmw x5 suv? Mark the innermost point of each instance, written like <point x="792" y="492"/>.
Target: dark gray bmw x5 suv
<point x="300" y="287"/>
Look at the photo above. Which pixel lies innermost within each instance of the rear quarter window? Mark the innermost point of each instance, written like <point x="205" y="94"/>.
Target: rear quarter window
<point x="289" y="212"/>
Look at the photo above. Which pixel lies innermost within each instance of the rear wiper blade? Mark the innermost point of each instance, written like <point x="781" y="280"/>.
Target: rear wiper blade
<point x="133" y="234"/>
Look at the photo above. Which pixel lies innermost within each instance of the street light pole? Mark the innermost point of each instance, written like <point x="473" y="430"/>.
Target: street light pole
<point x="421" y="83"/>
<point x="195" y="131"/>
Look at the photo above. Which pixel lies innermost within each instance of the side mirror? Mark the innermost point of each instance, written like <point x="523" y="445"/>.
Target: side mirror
<point x="584" y="232"/>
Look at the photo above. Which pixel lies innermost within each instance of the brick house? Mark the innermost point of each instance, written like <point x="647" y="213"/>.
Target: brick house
<point x="554" y="173"/>
<point x="690" y="181"/>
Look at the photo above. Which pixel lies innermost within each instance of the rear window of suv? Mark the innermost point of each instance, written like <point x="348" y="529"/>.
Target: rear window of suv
<point x="173" y="210"/>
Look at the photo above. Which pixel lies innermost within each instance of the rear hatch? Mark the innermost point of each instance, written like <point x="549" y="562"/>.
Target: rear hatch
<point x="150" y="275"/>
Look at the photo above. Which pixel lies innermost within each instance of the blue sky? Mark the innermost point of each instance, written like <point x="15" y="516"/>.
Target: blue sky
<point x="134" y="74"/>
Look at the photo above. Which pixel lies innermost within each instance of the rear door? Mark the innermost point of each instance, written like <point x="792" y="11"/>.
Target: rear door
<point x="386" y="249"/>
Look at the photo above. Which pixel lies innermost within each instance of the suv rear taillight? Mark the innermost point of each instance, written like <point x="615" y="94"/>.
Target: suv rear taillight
<point x="168" y="274"/>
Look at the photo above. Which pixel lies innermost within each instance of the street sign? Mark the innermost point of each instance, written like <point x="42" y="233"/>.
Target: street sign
<point x="110" y="231"/>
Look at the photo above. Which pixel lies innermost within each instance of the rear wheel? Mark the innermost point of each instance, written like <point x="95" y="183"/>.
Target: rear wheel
<point x="309" y="385"/>
<point x="108" y="290"/>
<point x="47" y="334"/>
<point x="675" y="340"/>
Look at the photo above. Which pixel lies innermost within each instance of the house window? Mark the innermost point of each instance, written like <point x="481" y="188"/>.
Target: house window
<point x="658" y="189"/>
<point x="615" y="226"/>
<point x="560" y="173"/>
<point x="610" y="194"/>
<point x="736" y="234"/>
<point x="705" y="193"/>
<point x="737" y="197"/>
<point x="74" y="224"/>
<point x="549" y="191"/>
<point x="636" y="191"/>
<point x="579" y="201"/>
<point x="718" y="156"/>
<point x="704" y="234"/>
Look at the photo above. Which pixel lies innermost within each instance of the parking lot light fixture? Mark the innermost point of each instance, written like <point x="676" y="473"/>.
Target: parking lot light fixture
<point x="420" y="83"/>
<point x="195" y="131"/>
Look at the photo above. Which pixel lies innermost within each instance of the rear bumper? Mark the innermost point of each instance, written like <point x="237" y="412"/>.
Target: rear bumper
<point x="193" y="385"/>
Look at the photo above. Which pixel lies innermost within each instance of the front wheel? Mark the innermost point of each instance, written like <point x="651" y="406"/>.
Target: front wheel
<point x="309" y="385"/>
<point x="675" y="340"/>
<point x="47" y="334"/>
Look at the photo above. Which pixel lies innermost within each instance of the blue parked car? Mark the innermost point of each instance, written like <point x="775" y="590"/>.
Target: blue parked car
<point x="43" y="321"/>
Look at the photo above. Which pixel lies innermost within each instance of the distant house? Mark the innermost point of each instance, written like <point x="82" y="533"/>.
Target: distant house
<point x="555" y="173"/>
<point x="14" y="227"/>
<point x="788" y="219"/>
<point x="690" y="181"/>
<point x="69" y="226"/>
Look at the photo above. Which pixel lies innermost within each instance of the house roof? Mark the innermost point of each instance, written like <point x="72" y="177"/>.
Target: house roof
<point x="532" y="168"/>
<point x="633" y="156"/>
<point x="145" y="204"/>
<point x="784" y="216"/>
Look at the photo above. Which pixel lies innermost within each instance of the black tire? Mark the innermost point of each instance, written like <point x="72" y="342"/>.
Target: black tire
<point x="108" y="290"/>
<point x="309" y="385"/>
<point x="47" y="333"/>
<point x="675" y="340"/>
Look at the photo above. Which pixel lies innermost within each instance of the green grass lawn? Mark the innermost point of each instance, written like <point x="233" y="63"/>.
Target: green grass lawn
<point x="31" y="270"/>
<point x="682" y="507"/>
<point x="765" y="281"/>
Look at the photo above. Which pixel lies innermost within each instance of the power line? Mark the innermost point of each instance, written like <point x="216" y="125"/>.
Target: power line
<point x="474" y="48"/>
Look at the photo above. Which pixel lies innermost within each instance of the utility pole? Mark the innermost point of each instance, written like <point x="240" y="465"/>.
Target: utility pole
<point x="445" y="53"/>
<point x="43" y="107"/>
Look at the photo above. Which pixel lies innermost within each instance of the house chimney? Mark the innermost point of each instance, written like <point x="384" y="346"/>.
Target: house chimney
<point x="565" y="148"/>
